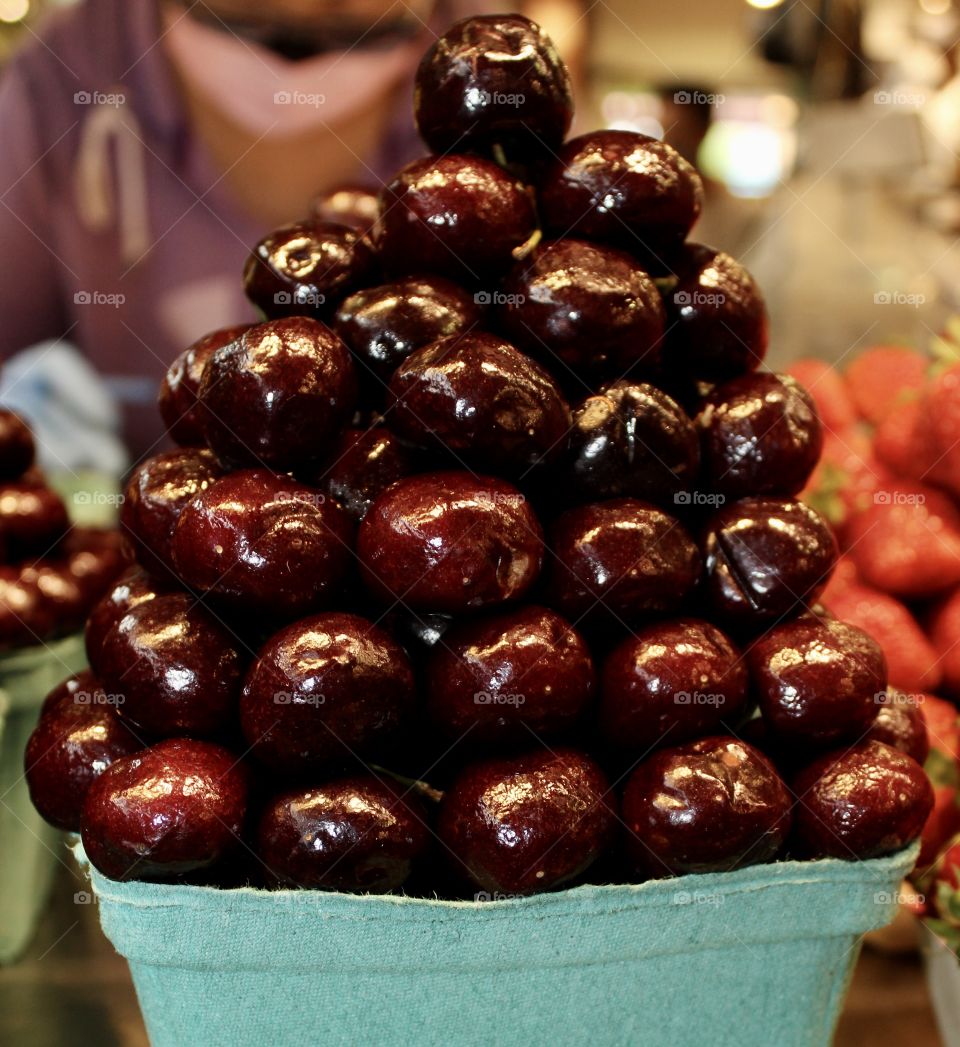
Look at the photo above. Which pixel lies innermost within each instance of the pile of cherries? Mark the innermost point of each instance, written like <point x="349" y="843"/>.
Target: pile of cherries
<point x="479" y="568"/>
<point x="51" y="573"/>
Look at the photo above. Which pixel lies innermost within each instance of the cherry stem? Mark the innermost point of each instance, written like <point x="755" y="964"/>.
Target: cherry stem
<point x="412" y="783"/>
<point x="528" y="245"/>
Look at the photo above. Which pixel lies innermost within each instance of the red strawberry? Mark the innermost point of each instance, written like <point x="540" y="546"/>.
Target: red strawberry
<point x="943" y="730"/>
<point x="911" y="659"/>
<point x="943" y="725"/>
<point x="946" y="885"/>
<point x="825" y="384"/>
<point x="903" y="441"/>
<point x="942" y="414"/>
<point x="845" y="479"/>
<point x="879" y="377"/>
<point x="942" y="823"/>
<point x="908" y="542"/>
<point x="945" y="636"/>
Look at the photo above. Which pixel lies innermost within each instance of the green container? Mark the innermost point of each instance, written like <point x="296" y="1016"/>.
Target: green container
<point x="29" y="848"/>
<point x="743" y="959"/>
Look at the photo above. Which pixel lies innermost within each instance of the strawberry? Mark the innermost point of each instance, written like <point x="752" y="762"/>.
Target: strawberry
<point x="903" y="441"/>
<point x="908" y="542"/>
<point x="941" y="409"/>
<point x="911" y="659"/>
<point x="879" y="377"/>
<point x="943" y="726"/>
<point x="845" y="479"/>
<point x="945" y="636"/>
<point x="825" y="384"/>
<point x="943" y="730"/>
<point x="946" y="888"/>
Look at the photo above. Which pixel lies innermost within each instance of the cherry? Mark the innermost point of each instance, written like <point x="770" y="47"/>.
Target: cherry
<point x="529" y="823"/>
<point x="625" y="189"/>
<point x="178" y="390"/>
<point x="521" y="672"/>
<point x="16" y="446"/>
<point x="364" y="463"/>
<point x="716" y="316"/>
<point x="861" y="803"/>
<point x="323" y="690"/>
<point x="133" y="587"/>
<point x="26" y="618"/>
<point x="670" y="682"/>
<point x="493" y="80"/>
<point x="356" y="206"/>
<point x="156" y="494"/>
<point x="481" y="399"/>
<point x="900" y="723"/>
<point x="305" y="268"/>
<point x="632" y="440"/>
<point x="383" y="325"/>
<point x="168" y="811"/>
<point x="454" y="214"/>
<point x="262" y="543"/>
<point x="61" y="597"/>
<point x="93" y="558"/>
<point x="83" y="683"/>
<point x="33" y="520"/>
<point x="173" y="668"/>
<point x="277" y="395"/>
<point x="765" y="557"/>
<point x="450" y="542"/>
<point x="760" y="434"/>
<point x="584" y="308"/>
<point x="707" y="806"/>
<point x="623" y="557"/>
<point x="354" y="834"/>
<point x="817" y="682"/>
<point x="77" y="738"/>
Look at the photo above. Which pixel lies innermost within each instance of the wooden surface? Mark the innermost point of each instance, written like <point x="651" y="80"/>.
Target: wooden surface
<point x="72" y="990"/>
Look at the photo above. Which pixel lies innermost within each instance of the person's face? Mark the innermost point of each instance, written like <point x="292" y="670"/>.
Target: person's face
<point x="312" y="14"/>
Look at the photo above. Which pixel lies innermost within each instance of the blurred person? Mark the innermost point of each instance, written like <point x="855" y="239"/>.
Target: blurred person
<point x="148" y="144"/>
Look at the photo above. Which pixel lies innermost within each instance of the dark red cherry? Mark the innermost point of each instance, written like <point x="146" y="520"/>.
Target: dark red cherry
<point x="94" y="558"/>
<point x="263" y="544"/>
<point x="170" y="810"/>
<point x="481" y="399"/>
<point x="716" y="316"/>
<point x="278" y="395"/>
<point x="529" y="823"/>
<point x="305" y="268"/>
<point x="178" y="390"/>
<point x="622" y="188"/>
<point x="707" y="806"/>
<point x="33" y="520"/>
<point x="323" y="690"/>
<point x="356" y="206"/>
<point x="75" y="741"/>
<point x="899" y="722"/>
<point x="383" y="325"/>
<point x="759" y="434"/>
<point x="352" y="834"/>
<point x="622" y="557"/>
<point x="460" y="215"/>
<point x="493" y="80"/>
<point x="16" y="446"/>
<point x="133" y="587"/>
<point x="364" y="463"/>
<point x="61" y="598"/>
<point x="450" y="542"/>
<point x="173" y="667"/>
<point x="585" y="309"/>
<point x="670" y="682"/>
<point x="519" y="673"/>
<point x="766" y="557"/>
<point x="83" y="683"/>
<point x="817" y="682"/>
<point x="861" y="803"/>
<point x="156" y="494"/>
<point x="632" y="440"/>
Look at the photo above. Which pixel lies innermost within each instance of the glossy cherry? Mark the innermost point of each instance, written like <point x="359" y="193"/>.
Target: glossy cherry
<point x="16" y="446"/>
<point x="33" y="520"/>
<point x="900" y="723"/>
<point x="277" y="395"/>
<point x="263" y="543"/>
<point x="450" y="542"/>
<point x="529" y="823"/>
<point x="707" y="806"/>
<point x="520" y="673"/>
<point x="481" y="399"/>
<point x="171" y="810"/>
<point x="352" y="834"/>
<point x="364" y="463"/>
<point x="324" y="690"/>
<point x="133" y="587"/>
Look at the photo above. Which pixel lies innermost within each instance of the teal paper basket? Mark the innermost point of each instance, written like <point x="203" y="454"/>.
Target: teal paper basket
<point x="743" y="959"/>
<point x="29" y="848"/>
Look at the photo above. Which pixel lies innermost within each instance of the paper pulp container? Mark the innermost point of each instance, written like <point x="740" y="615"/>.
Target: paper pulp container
<point x="943" y="978"/>
<point x="29" y="848"/>
<point x="746" y="959"/>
